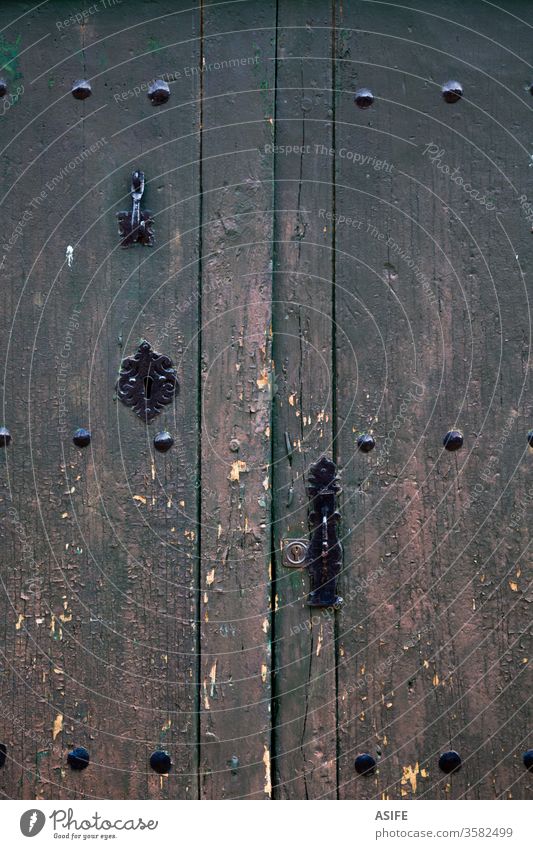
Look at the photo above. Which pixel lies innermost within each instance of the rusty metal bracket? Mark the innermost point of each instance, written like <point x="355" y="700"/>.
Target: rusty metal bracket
<point x="136" y="226"/>
<point x="324" y="553"/>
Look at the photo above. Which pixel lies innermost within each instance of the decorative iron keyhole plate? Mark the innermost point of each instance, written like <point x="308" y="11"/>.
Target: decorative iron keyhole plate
<point x="147" y="382"/>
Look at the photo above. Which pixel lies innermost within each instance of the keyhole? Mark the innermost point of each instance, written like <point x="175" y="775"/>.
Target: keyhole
<point x="148" y="381"/>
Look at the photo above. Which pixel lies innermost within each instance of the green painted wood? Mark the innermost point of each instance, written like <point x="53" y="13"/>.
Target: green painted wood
<point x="304" y="639"/>
<point x="108" y="639"/>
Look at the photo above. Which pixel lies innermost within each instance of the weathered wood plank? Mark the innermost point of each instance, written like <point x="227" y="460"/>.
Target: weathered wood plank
<point x="430" y="296"/>
<point x="114" y="660"/>
<point x="236" y="187"/>
<point x="304" y="638"/>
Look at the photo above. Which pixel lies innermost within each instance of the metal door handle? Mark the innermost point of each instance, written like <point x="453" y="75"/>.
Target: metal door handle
<point x="322" y="553"/>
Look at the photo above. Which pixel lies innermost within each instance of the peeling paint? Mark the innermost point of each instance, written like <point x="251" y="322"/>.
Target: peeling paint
<point x="268" y="781"/>
<point x="409" y="776"/>
<point x="58" y="726"/>
<point x="237" y="469"/>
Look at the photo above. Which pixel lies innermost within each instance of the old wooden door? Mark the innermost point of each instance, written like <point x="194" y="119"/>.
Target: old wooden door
<point x="319" y="271"/>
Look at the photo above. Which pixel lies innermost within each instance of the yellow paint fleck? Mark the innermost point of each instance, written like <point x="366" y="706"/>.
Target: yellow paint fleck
<point x="320" y="640"/>
<point x="409" y="775"/>
<point x="263" y="672"/>
<point x="20" y="620"/>
<point x="166" y="725"/>
<point x="424" y="773"/>
<point x="435" y="680"/>
<point x="268" y="781"/>
<point x="265" y="626"/>
<point x="262" y="380"/>
<point x="265" y="483"/>
<point x="292" y="399"/>
<point x="237" y="468"/>
<point x="514" y="586"/>
<point x="58" y="726"/>
<point x="140" y="498"/>
<point x="64" y="515"/>
<point x="181" y="503"/>
<point x="426" y="664"/>
<point x="210" y="577"/>
<point x="190" y="535"/>
<point x="66" y="617"/>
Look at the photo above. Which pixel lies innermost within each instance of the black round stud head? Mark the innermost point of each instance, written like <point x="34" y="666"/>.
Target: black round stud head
<point x="453" y="440"/>
<point x="363" y="98"/>
<point x="163" y="441"/>
<point x="3" y="753"/>
<point x="3" y="88"/>
<point x="450" y="762"/>
<point x="81" y="89"/>
<point x="78" y="758"/>
<point x="5" y="437"/>
<point x="365" y="443"/>
<point x="160" y="762"/>
<point x="452" y="91"/>
<point x="527" y="757"/>
<point x="530" y="438"/>
<point x="365" y="764"/>
<point x="82" y="437"/>
<point x="159" y="92"/>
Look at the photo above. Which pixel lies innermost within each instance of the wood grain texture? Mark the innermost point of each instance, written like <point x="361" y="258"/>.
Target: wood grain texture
<point x="434" y="648"/>
<point x="304" y="638"/>
<point x="237" y="122"/>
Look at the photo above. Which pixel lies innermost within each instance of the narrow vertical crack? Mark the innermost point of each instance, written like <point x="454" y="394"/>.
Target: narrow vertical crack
<point x="273" y="560"/>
